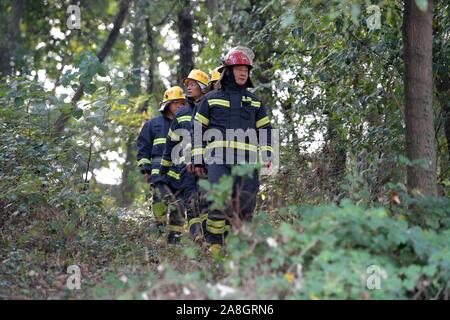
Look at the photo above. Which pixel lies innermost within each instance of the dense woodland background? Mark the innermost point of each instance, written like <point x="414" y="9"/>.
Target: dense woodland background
<point x="364" y="120"/>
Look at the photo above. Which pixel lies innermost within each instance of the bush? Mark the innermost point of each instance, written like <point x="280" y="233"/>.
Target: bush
<point x="323" y="252"/>
<point x="327" y="251"/>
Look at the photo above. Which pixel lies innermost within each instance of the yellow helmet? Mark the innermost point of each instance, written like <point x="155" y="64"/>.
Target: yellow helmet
<point x="197" y="75"/>
<point x="171" y="94"/>
<point x="215" y="74"/>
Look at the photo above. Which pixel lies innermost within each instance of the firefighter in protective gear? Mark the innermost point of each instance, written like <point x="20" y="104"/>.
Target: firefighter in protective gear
<point x="196" y="83"/>
<point x="232" y="107"/>
<point x="213" y="78"/>
<point x="150" y="148"/>
<point x="199" y="77"/>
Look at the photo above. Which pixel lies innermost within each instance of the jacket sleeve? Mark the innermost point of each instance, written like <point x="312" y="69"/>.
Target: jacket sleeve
<point x="200" y="123"/>
<point x="144" y="148"/>
<point x="264" y="132"/>
<point x="171" y="141"/>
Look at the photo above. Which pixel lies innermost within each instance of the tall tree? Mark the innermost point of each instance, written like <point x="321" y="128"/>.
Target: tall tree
<point x="419" y="116"/>
<point x="136" y="59"/>
<point x="152" y="48"/>
<point x="150" y="39"/>
<point x="8" y="45"/>
<point x="185" y="24"/>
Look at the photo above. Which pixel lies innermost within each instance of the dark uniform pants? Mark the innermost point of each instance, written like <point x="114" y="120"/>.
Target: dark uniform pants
<point x="165" y="200"/>
<point x="194" y="202"/>
<point x="244" y="194"/>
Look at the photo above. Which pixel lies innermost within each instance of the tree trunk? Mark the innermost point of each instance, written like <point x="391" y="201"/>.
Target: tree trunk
<point x="419" y="116"/>
<point x="151" y="56"/>
<point x="9" y="43"/>
<point x="112" y="37"/>
<point x="151" y="62"/>
<point x="185" y="29"/>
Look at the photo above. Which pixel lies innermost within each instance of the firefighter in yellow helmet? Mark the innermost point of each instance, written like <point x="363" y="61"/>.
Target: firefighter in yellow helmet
<point x="213" y="78"/>
<point x="150" y="148"/>
<point x="196" y="85"/>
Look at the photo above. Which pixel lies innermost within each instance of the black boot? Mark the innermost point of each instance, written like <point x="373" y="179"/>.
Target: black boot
<point x="173" y="237"/>
<point x="196" y="232"/>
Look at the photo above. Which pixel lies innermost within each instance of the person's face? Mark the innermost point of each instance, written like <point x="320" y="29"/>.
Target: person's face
<point x="240" y="73"/>
<point x="174" y="106"/>
<point x="193" y="89"/>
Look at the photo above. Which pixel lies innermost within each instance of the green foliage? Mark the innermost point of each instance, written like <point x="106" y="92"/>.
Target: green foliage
<point x="48" y="212"/>
<point x="326" y="255"/>
<point x="219" y="193"/>
<point x="87" y="66"/>
<point x="331" y="85"/>
<point x="325" y="252"/>
<point x="428" y="212"/>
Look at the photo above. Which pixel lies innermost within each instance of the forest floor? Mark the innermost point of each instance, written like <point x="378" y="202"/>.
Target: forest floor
<point x="298" y="252"/>
<point x="33" y="266"/>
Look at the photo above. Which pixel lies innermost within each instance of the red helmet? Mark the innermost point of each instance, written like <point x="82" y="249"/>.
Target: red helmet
<point x="238" y="57"/>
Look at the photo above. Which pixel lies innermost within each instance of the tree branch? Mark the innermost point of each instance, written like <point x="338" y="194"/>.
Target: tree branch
<point x="112" y="37"/>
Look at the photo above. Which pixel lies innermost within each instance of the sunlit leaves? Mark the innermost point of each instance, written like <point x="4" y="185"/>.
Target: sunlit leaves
<point x="90" y="88"/>
<point x="77" y="113"/>
<point x="288" y="20"/>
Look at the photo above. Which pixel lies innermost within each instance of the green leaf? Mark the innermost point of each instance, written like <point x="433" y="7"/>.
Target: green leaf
<point x="265" y="230"/>
<point x="18" y="101"/>
<point x="101" y="70"/>
<point x="66" y="109"/>
<point x="132" y="90"/>
<point x="85" y="79"/>
<point x="190" y="252"/>
<point x="430" y="270"/>
<point x="244" y="170"/>
<point x="90" y="88"/>
<point x="339" y="25"/>
<point x="159" y="209"/>
<point x="77" y="113"/>
<point x="65" y="81"/>
<point x="287" y="231"/>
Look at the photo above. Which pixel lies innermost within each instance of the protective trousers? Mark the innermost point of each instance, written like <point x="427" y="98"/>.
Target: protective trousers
<point x="243" y="203"/>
